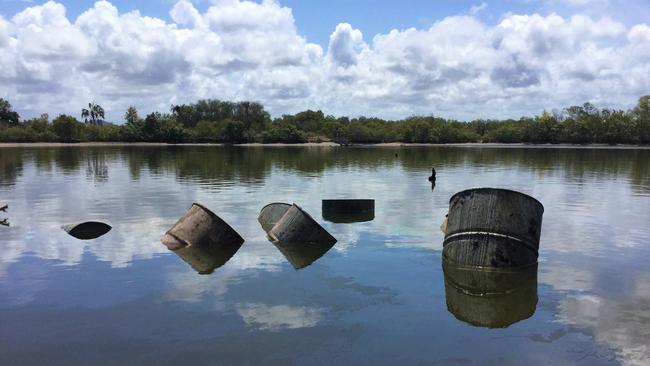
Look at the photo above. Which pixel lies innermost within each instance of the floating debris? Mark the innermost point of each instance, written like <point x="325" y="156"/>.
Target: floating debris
<point x="271" y="213"/>
<point x="443" y="226"/>
<point x="343" y="211"/>
<point x="201" y="227"/>
<point x="295" y="233"/>
<point x="491" y="227"/>
<point x="490" y="298"/>
<point x="297" y="226"/>
<point x="87" y="230"/>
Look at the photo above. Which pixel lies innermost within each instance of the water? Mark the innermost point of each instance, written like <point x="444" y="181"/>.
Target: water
<point x="377" y="297"/>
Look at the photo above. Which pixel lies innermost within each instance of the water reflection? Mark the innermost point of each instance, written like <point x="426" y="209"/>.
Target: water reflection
<point x="204" y="259"/>
<point x="97" y="168"/>
<point x="380" y="288"/>
<point x="490" y="298"/>
<point x="302" y="254"/>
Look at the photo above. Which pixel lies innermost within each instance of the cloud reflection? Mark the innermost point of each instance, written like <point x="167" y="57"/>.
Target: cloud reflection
<point x="275" y="318"/>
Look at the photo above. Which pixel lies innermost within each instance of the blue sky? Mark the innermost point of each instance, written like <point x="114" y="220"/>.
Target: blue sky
<point x="317" y="18"/>
<point x="456" y="59"/>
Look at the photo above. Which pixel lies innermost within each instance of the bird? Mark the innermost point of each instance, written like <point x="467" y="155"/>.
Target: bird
<point x="4" y="208"/>
<point x="432" y="178"/>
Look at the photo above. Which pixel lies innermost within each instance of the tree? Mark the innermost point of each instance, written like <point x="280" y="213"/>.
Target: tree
<point x="7" y="115"/>
<point x="151" y="126"/>
<point x="642" y="119"/>
<point x="67" y="128"/>
<point x="95" y="112"/>
<point x="184" y="114"/>
<point x="131" y="115"/>
<point x="233" y="131"/>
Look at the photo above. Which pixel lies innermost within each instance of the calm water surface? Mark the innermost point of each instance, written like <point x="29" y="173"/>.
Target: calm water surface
<point x="379" y="296"/>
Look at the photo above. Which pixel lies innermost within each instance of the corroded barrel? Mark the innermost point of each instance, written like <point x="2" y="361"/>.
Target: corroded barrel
<point x="297" y="226"/>
<point x="87" y="230"/>
<point x="343" y="211"/>
<point x="271" y="214"/>
<point x="200" y="226"/>
<point x="489" y="227"/>
<point x="490" y="298"/>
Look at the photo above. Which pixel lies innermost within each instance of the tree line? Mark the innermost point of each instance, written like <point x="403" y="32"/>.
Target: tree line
<point x="217" y="121"/>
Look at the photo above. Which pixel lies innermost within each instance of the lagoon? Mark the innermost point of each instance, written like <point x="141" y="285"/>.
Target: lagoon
<point x="379" y="296"/>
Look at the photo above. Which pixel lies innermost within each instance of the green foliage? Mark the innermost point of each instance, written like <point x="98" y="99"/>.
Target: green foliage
<point x="131" y="115"/>
<point x="67" y="128"/>
<point x="641" y="115"/>
<point x="7" y="115"/>
<point x="171" y="131"/>
<point x="236" y="122"/>
<point x="233" y="131"/>
<point x="93" y="115"/>
<point x="283" y="131"/>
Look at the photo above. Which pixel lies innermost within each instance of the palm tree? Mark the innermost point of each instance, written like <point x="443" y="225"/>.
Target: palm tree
<point x="95" y="112"/>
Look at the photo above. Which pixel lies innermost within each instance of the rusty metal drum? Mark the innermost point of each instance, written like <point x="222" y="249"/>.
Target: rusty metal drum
<point x="346" y="211"/>
<point x="200" y="226"/>
<point x="297" y="226"/>
<point x="490" y="227"/>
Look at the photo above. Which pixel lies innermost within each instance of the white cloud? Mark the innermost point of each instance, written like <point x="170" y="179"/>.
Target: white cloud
<point x="185" y="14"/>
<point x="459" y="67"/>
<point x="345" y="45"/>
<point x="477" y="9"/>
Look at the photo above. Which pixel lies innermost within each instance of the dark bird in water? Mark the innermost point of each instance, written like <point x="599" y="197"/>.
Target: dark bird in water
<point x="4" y="222"/>
<point x="432" y="178"/>
<point x="4" y="208"/>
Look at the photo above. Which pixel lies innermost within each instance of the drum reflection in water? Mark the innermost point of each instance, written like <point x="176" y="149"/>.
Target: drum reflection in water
<point x="204" y="259"/>
<point x="301" y="255"/>
<point x="488" y="297"/>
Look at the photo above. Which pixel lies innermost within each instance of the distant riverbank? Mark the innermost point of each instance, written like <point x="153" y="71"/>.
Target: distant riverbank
<point x="328" y="144"/>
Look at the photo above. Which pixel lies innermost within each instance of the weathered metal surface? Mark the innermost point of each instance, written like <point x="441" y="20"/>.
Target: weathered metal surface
<point x="271" y="213"/>
<point x="205" y="258"/>
<point x="301" y="254"/>
<point x="342" y="211"/>
<point x="295" y="233"/>
<point x="200" y="226"/>
<point x="492" y="298"/>
<point x="87" y="230"/>
<point x="491" y="227"/>
<point x="297" y="226"/>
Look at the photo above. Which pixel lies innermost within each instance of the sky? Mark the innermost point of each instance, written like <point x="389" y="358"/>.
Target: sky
<point x="453" y="59"/>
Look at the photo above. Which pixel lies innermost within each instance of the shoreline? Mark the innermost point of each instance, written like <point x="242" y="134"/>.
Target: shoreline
<point x="329" y="145"/>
